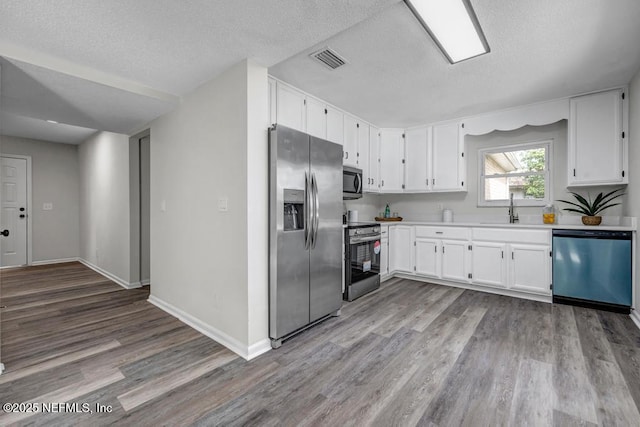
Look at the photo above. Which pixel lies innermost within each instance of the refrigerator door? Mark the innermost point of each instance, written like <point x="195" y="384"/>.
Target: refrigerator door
<point x="326" y="244"/>
<point x="289" y="258"/>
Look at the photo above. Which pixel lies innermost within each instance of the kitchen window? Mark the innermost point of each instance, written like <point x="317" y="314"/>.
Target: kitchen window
<point x="523" y="170"/>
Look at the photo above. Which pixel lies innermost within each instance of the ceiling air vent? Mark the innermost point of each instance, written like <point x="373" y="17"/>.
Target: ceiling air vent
<point x="329" y="58"/>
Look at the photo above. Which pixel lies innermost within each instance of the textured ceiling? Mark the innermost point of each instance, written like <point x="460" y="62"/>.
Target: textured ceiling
<point x="540" y="50"/>
<point x="115" y="65"/>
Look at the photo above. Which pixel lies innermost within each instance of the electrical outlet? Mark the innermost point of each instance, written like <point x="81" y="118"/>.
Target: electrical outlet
<point x="440" y="206"/>
<point x="47" y="206"/>
<point x="223" y="204"/>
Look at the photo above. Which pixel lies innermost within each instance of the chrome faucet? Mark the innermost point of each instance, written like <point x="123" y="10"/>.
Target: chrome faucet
<point x="513" y="216"/>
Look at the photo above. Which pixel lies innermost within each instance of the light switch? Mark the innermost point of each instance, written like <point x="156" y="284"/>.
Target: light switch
<point x="163" y="206"/>
<point x="47" y="206"/>
<point x="223" y="204"/>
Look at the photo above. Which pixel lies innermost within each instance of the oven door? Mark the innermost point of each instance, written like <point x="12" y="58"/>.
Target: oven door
<point x="364" y="258"/>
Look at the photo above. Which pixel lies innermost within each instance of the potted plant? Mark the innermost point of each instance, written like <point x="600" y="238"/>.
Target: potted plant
<point x="590" y="209"/>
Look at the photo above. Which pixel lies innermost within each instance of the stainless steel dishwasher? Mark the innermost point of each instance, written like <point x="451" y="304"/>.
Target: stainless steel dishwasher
<point x="593" y="268"/>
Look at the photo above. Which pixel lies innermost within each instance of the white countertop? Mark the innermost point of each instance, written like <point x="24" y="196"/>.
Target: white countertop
<point x="516" y="225"/>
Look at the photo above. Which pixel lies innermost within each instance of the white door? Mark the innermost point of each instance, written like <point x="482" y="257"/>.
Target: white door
<point x="427" y="257"/>
<point x="14" y="212"/>
<point x="446" y="157"/>
<point x="401" y="248"/>
<point x="489" y="264"/>
<point x="454" y="257"/>
<point x="391" y="155"/>
<point x="416" y="173"/>
<point x="530" y="270"/>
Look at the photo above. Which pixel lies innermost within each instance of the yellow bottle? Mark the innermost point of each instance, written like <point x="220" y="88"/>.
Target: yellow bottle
<point x="549" y="215"/>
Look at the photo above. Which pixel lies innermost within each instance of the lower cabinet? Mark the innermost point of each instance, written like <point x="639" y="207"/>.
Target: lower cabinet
<point x="520" y="261"/>
<point x="401" y="248"/>
<point x="530" y="268"/>
<point x="510" y="259"/>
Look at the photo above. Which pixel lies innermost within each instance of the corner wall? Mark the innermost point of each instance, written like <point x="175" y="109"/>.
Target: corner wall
<point x="633" y="191"/>
<point x="55" y="179"/>
<point x="104" y="205"/>
<point x="208" y="265"/>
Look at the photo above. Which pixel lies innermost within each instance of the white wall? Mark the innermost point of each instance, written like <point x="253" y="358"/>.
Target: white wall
<point x="104" y="203"/>
<point x="206" y="263"/>
<point x="426" y="206"/>
<point x="55" y="179"/>
<point x="633" y="191"/>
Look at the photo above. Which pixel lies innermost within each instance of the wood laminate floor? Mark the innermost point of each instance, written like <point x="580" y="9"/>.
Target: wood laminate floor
<point x="409" y="354"/>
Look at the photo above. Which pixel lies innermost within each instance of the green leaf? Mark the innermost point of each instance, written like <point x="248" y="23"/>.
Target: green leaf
<point x="581" y="199"/>
<point x="583" y="208"/>
<point x="606" y="199"/>
<point x="580" y="211"/>
<point x="607" y="207"/>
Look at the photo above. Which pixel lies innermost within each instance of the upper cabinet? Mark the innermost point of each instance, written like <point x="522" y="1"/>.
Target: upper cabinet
<point x="597" y="139"/>
<point x="350" y="148"/>
<point x="391" y="161"/>
<point x="417" y="166"/>
<point x="448" y="158"/>
<point x="291" y="108"/>
<point x="273" y="97"/>
<point x="371" y="168"/>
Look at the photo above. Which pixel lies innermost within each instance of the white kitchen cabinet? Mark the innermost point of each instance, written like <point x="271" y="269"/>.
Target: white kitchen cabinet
<point x="391" y="157"/>
<point x="350" y="146"/>
<point x="417" y="170"/>
<point x="291" y="108"/>
<point x="316" y="118"/>
<point x="335" y="125"/>
<point x="384" y="251"/>
<point x="489" y="264"/>
<point x="401" y="248"/>
<point x="447" y="158"/>
<point x="428" y="260"/>
<point x="513" y="259"/>
<point x="530" y="269"/>
<point x="372" y="172"/>
<point x="454" y="260"/>
<point x="597" y="140"/>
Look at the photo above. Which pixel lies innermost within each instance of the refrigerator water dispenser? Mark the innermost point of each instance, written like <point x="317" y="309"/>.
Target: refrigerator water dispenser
<point x="293" y="209"/>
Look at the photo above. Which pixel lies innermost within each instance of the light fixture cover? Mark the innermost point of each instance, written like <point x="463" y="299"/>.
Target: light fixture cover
<point x="453" y="25"/>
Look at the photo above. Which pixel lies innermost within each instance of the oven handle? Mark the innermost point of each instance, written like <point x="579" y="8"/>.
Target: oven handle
<point x="353" y="240"/>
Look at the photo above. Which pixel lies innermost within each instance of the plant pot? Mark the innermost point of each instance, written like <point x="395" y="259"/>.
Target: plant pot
<point x="591" y="220"/>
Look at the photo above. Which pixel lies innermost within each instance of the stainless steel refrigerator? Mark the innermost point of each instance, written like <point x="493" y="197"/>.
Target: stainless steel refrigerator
<point x="305" y="231"/>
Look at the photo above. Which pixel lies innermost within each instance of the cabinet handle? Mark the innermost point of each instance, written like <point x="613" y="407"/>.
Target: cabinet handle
<point x="383" y="182"/>
<point x="433" y="181"/>
<point x="512" y="255"/>
<point x="347" y="154"/>
<point x="435" y="249"/>
<point x="502" y="254"/>
<point x="574" y="172"/>
<point x="443" y="249"/>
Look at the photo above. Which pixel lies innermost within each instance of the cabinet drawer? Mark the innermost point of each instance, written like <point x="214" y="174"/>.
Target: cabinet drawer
<point x="443" y="232"/>
<point x="542" y="237"/>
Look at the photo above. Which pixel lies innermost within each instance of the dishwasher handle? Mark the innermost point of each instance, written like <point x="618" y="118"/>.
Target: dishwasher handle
<point x="593" y="234"/>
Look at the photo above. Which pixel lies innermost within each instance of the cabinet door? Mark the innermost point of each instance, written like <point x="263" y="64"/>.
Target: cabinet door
<point x="350" y="141"/>
<point x="384" y="256"/>
<point x="595" y="139"/>
<point x="446" y="159"/>
<point x="488" y="264"/>
<point x="363" y="156"/>
<point x="530" y="268"/>
<point x="291" y="108"/>
<point x="316" y="118"/>
<point x="335" y="125"/>
<point x="428" y="257"/>
<point x="416" y="148"/>
<point x="374" y="160"/>
<point x="391" y="155"/>
<point x="454" y="260"/>
<point x="401" y="248"/>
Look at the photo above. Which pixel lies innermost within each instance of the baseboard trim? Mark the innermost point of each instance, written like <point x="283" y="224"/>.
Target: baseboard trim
<point x="145" y="282"/>
<point x="55" y="261"/>
<point x="635" y="317"/>
<point x="218" y="336"/>
<point x="108" y="275"/>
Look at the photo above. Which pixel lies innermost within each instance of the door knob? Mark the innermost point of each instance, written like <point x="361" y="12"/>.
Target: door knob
<point x="5" y="233"/>
<point x="21" y="209"/>
<point x="22" y="215"/>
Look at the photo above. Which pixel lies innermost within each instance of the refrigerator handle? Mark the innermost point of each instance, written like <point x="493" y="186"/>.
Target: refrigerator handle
<point x="307" y="211"/>
<point x="316" y="210"/>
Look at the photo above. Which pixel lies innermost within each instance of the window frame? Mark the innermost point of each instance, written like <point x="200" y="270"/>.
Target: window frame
<point x="547" y="144"/>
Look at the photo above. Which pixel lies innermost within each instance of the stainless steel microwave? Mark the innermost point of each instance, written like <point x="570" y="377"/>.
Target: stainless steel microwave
<point x="351" y="183"/>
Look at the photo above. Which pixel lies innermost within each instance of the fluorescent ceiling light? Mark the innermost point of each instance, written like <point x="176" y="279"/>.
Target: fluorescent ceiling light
<point x="453" y="25"/>
<point x="52" y="121"/>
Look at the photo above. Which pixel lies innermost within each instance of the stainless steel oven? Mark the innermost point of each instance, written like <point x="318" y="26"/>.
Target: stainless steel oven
<point x="362" y="260"/>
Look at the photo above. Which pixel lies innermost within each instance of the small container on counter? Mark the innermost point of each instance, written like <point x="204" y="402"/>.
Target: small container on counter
<point x="548" y="215"/>
<point x="447" y="215"/>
